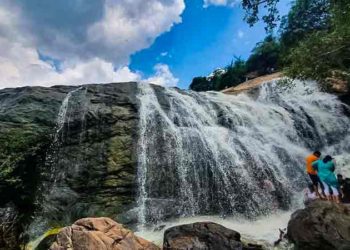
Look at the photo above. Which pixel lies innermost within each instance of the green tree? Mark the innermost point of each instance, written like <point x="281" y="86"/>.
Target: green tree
<point x="304" y="17"/>
<point x="201" y="84"/>
<point x="322" y="53"/>
<point x="234" y="74"/>
<point x="252" y="9"/>
<point x="265" y="56"/>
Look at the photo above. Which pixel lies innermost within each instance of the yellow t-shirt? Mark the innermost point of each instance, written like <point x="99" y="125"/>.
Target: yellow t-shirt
<point x="309" y="160"/>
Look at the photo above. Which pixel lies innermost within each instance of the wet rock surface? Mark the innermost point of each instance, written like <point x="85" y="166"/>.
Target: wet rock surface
<point x="321" y="225"/>
<point x="65" y="164"/>
<point x="203" y="235"/>
<point x="9" y="230"/>
<point x="99" y="233"/>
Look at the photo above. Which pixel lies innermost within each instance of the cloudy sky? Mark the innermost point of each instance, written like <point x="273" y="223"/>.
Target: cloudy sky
<point x="166" y="42"/>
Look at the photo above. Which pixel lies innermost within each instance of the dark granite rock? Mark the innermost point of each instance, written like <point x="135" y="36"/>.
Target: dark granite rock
<point x="84" y="166"/>
<point x="321" y="225"/>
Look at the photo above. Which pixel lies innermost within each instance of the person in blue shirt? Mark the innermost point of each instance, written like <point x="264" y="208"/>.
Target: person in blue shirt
<point x="325" y="171"/>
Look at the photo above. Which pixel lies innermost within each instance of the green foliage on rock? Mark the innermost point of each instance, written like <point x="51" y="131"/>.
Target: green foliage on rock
<point x="20" y="147"/>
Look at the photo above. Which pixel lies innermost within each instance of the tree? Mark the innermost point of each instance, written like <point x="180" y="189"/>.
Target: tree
<point x="252" y="8"/>
<point x="201" y="84"/>
<point x="265" y="56"/>
<point x="323" y="53"/>
<point x="234" y="75"/>
<point x="305" y="17"/>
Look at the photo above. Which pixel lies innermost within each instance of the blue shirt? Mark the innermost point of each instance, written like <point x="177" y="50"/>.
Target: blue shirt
<point x="325" y="172"/>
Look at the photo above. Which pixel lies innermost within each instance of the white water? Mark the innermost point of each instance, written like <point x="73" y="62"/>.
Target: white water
<point x="262" y="230"/>
<point x="62" y="114"/>
<point x="210" y="153"/>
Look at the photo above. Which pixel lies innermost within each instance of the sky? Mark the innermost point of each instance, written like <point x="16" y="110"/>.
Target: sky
<point x="165" y="42"/>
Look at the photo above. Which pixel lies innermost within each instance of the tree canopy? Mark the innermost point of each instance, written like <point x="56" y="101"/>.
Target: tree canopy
<point x="314" y="43"/>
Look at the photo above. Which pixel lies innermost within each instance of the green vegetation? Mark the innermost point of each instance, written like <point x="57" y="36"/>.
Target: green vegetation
<point x="18" y="157"/>
<point x="265" y="56"/>
<point x="233" y="74"/>
<point x="264" y="59"/>
<point x="313" y="43"/>
<point x="324" y="53"/>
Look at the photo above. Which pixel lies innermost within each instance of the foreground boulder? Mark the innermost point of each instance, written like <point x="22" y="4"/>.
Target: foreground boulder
<point x="321" y="225"/>
<point x="99" y="233"/>
<point x="203" y="235"/>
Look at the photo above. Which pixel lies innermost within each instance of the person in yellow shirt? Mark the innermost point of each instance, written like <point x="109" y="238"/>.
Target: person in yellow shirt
<point x="312" y="172"/>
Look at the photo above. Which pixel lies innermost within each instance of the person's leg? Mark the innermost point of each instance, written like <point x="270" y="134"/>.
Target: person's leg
<point x="326" y="191"/>
<point x="335" y="194"/>
<point x="323" y="195"/>
<point x="314" y="179"/>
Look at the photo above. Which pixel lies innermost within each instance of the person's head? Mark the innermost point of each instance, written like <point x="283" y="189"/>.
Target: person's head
<point x="327" y="158"/>
<point x="317" y="154"/>
<point x="311" y="188"/>
<point x="339" y="177"/>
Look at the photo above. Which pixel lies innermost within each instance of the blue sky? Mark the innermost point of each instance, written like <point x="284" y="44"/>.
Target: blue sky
<point x="206" y="39"/>
<point x="166" y="42"/>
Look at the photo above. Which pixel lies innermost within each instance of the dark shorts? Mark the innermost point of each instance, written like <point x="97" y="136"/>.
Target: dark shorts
<point x="315" y="180"/>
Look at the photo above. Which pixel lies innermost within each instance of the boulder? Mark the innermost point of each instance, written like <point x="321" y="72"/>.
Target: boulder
<point x="99" y="233"/>
<point x="321" y="225"/>
<point x="201" y="235"/>
<point x="338" y="82"/>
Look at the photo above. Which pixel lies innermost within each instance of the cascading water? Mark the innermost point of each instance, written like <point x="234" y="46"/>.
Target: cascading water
<point x="59" y="134"/>
<point x="52" y="184"/>
<point x="212" y="153"/>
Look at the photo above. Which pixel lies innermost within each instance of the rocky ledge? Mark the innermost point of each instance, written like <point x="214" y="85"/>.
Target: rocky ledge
<point x="321" y="225"/>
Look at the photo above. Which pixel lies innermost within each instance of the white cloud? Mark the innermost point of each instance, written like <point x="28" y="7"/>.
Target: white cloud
<point x="126" y="27"/>
<point x="220" y="3"/>
<point x="240" y="34"/>
<point x="21" y="66"/>
<point x="162" y="76"/>
<point x="129" y="26"/>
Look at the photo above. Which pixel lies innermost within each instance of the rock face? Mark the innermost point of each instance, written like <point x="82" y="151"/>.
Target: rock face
<point x="9" y="230"/>
<point x="201" y="235"/>
<point x="321" y="225"/>
<point x="99" y="233"/>
<point x="67" y="152"/>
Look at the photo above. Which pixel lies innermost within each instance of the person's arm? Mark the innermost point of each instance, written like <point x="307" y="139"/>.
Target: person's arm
<point x="333" y="166"/>
<point x="314" y="165"/>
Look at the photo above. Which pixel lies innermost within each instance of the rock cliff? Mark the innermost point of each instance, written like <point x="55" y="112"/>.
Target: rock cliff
<point x="67" y="152"/>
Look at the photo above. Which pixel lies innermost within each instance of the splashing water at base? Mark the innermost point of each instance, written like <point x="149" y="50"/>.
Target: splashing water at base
<point x="263" y="230"/>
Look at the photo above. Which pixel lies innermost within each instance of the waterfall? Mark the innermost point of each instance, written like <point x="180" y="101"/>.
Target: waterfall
<point x="212" y="153"/>
<point x="59" y="134"/>
<point x="73" y="110"/>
